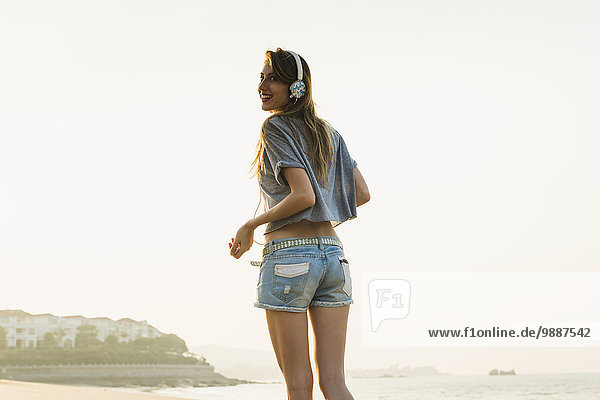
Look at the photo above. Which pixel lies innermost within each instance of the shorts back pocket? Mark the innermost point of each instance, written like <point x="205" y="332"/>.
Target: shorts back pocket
<point x="289" y="280"/>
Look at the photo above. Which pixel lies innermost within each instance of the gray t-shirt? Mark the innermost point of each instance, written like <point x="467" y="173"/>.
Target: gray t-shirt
<point x="288" y="147"/>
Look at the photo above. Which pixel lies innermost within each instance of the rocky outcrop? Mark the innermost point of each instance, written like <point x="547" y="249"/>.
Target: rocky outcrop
<point x="121" y="375"/>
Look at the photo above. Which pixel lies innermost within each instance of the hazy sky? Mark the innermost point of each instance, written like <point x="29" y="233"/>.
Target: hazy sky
<point x="128" y="129"/>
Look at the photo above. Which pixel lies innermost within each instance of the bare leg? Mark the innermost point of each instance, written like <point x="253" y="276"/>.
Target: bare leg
<point x="289" y="335"/>
<point x="329" y="326"/>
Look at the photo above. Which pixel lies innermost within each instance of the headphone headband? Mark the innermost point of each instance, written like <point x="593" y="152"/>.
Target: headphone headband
<point x="298" y="64"/>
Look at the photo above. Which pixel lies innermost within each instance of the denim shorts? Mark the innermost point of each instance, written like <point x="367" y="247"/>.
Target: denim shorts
<point x="297" y="277"/>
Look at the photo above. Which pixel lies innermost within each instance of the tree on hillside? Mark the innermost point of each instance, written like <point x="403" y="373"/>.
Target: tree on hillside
<point x="111" y="340"/>
<point x="171" y="343"/>
<point x="87" y="336"/>
<point x="3" y="342"/>
<point x="49" y="341"/>
<point x="142" y="343"/>
<point x="166" y="343"/>
<point x="59" y="335"/>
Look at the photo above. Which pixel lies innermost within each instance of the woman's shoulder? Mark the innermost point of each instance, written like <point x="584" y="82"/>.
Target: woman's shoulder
<point x="294" y="127"/>
<point x="283" y="125"/>
<point x="282" y="120"/>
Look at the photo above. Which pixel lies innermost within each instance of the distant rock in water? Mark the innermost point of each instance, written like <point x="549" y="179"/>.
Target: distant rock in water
<point x="500" y="372"/>
<point x="390" y="376"/>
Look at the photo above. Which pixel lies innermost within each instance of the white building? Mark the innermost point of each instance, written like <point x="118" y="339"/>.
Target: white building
<point x="27" y="330"/>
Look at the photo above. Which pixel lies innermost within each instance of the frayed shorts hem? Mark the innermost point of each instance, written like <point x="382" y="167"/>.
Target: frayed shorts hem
<point x="331" y="303"/>
<point x="314" y="303"/>
<point x="279" y="308"/>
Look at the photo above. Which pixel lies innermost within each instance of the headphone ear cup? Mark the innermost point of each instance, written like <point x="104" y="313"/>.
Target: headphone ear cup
<point x="298" y="89"/>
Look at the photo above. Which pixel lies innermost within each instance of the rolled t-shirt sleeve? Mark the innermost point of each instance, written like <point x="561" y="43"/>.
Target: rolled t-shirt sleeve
<point x="346" y="153"/>
<point x="281" y="152"/>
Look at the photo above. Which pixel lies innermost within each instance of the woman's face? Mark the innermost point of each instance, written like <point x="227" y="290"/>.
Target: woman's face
<point x="274" y="94"/>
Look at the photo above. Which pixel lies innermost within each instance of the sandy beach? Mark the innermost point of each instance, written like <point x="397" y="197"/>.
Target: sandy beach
<point x="16" y="390"/>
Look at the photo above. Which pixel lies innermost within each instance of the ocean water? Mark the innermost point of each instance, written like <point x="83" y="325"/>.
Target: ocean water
<point x="484" y="387"/>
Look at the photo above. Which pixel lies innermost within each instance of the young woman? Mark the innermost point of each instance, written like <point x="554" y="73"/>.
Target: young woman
<point x="310" y="185"/>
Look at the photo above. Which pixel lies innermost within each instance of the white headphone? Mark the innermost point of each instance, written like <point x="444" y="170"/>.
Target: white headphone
<point x="298" y="88"/>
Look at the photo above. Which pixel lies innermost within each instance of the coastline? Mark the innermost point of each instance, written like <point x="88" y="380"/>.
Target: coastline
<point x="120" y="375"/>
<point x="19" y="390"/>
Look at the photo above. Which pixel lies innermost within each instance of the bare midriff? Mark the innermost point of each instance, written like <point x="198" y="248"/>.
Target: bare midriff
<point x="302" y="228"/>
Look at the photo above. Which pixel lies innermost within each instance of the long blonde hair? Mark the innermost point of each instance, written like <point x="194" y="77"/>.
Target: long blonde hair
<point x="316" y="129"/>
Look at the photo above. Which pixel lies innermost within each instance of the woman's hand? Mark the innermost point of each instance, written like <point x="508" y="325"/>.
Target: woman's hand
<point x="242" y="242"/>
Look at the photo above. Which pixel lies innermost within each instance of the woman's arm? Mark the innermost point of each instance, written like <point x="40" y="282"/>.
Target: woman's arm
<point x="302" y="196"/>
<point x="362" y="191"/>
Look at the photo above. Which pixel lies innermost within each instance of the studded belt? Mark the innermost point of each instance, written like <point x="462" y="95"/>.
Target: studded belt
<point x="270" y="248"/>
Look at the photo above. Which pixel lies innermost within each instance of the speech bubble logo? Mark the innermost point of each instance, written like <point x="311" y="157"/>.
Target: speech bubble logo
<point x="388" y="299"/>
